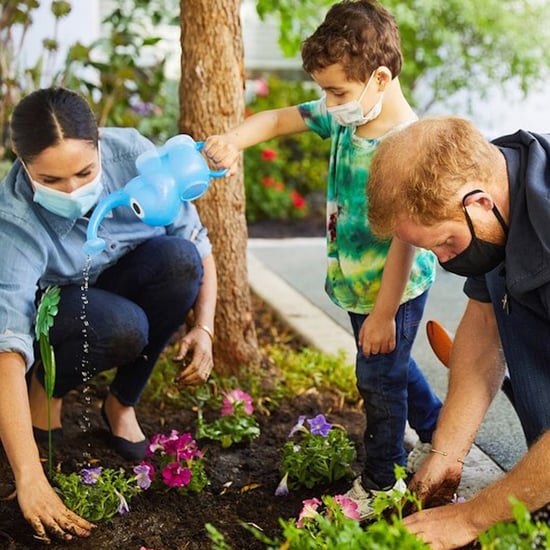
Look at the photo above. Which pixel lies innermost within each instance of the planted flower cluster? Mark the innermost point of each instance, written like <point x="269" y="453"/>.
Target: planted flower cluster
<point x="317" y="452"/>
<point x="236" y="422"/>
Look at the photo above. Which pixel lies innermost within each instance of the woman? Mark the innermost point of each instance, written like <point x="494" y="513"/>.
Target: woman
<point x="141" y="288"/>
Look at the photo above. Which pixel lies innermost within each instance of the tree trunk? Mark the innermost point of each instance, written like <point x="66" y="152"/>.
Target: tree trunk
<point x="212" y="101"/>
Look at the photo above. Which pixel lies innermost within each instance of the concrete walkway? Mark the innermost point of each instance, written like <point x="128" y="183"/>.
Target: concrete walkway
<point x="323" y="332"/>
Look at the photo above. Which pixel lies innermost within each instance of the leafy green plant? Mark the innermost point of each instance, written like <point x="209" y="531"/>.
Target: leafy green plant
<point x="283" y="176"/>
<point x="311" y="368"/>
<point x="122" y="74"/>
<point x="316" y="452"/>
<point x="173" y="461"/>
<point x="97" y="494"/>
<point x="331" y="523"/>
<point x="523" y="533"/>
<point x="16" y="80"/>
<point x="236" y="423"/>
<point x="45" y="316"/>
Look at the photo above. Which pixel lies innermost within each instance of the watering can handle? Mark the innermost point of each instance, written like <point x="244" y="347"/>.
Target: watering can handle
<point x="213" y="173"/>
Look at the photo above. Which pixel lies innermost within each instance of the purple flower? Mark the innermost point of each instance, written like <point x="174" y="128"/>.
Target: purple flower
<point x="282" y="488"/>
<point x="319" y="425"/>
<point x="145" y="473"/>
<point x="298" y="426"/>
<point x="123" y="507"/>
<point x="90" y="476"/>
<point x="457" y="500"/>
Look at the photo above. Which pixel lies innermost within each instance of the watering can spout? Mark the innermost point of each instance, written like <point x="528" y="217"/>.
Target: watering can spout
<point x="95" y="244"/>
<point x="168" y="175"/>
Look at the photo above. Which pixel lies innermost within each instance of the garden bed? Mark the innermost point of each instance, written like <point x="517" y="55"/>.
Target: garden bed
<point x="243" y="477"/>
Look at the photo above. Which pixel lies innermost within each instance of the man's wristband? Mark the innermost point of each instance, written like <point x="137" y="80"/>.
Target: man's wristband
<point x="206" y="329"/>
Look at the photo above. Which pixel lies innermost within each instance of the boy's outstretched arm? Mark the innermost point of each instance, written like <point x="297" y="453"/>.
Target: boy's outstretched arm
<point x="224" y="149"/>
<point x="377" y="335"/>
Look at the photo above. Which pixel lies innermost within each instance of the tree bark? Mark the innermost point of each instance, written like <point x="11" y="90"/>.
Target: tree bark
<point x="212" y="101"/>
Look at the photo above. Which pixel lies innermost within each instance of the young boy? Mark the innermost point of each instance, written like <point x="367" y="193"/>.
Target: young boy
<point x="355" y="58"/>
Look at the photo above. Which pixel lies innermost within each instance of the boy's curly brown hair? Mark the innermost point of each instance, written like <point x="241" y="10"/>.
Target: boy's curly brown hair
<point x="361" y="35"/>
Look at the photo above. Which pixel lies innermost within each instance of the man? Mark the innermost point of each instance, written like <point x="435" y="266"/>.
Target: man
<point x="483" y="209"/>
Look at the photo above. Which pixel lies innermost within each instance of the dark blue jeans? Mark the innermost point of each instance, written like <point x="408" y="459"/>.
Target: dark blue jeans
<point x="132" y="311"/>
<point x="525" y="338"/>
<point x="394" y="390"/>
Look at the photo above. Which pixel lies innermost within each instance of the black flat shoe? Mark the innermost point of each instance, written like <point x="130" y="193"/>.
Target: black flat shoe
<point x="41" y="436"/>
<point x="127" y="449"/>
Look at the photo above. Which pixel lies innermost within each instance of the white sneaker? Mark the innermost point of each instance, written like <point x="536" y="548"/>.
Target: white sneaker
<point x="364" y="498"/>
<point x="417" y="456"/>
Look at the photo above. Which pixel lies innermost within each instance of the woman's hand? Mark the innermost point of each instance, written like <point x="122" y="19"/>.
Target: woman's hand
<point x="45" y="511"/>
<point x="196" y="345"/>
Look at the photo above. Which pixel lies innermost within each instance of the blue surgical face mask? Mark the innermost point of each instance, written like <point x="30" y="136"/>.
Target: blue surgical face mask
<point x="351" y="113"/>
<point x="69" y="205"/>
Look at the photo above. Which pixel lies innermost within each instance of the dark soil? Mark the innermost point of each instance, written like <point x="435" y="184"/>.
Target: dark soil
<point x="243" y="478"/>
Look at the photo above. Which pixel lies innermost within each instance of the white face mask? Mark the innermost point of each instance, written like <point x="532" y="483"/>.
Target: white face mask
<point x="69" y="205"/>
<point x="351" y="113"/>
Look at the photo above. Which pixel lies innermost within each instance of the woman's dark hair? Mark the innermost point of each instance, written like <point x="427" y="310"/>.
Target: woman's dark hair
<point x="46" y="117"/>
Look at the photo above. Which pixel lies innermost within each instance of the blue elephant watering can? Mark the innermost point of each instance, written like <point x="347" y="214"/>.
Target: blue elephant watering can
<point x="168" y="175"/>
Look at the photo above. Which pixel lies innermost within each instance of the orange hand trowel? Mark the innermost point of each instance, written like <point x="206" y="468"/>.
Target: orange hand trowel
<point x="441" y="342"/>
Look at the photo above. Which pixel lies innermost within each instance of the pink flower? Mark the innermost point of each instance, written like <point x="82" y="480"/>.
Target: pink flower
<point x="348" y="506"/>
<point x="174" y="475"/>
<point x="308" y="511"/>
<point x="262" y="87"/>
<point x="232" y="398"/>
<point x="269" y="154"/>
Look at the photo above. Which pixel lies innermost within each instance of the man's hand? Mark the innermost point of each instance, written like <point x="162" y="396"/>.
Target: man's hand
<point x="445" y="527"/>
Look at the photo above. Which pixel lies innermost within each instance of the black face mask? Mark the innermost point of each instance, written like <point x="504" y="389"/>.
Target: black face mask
<point x="480" y="256"/>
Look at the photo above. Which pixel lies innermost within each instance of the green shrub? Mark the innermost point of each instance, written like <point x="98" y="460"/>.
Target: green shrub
<point x="281" y="175"/>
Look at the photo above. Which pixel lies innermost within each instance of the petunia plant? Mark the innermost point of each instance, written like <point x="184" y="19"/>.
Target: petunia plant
<point x="45" y="315"/>
<point x="236" y="423"/>
<point x="173" y="461"/>
<point x="97" y="493"/>
<point x="316" y="452"/>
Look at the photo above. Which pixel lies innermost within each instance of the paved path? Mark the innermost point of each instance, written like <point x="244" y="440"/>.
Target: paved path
<point x="289" y="275"/>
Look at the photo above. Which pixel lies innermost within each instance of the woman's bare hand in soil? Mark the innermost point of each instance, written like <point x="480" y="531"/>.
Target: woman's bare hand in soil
<point x="47" y="514"/>
<point x="195" y="352"/>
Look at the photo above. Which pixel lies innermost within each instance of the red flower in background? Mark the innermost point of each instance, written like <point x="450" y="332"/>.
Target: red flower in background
<point x="297" y="200"/>
<point x="269" y="154"/>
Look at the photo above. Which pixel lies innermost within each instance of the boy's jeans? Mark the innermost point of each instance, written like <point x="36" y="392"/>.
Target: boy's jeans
<point x="394" y="390"/>
<point x="131" y="313"/>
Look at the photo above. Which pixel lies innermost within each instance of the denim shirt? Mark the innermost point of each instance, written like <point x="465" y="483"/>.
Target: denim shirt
<point x="40" y="248"/>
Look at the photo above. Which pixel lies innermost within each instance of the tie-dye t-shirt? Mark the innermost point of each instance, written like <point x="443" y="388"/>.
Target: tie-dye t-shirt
<point x="355" y="257"/>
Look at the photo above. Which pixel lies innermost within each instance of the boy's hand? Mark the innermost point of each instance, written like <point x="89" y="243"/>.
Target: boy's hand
<point x="223" y="152"/>
<point x="377" y="335"/>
